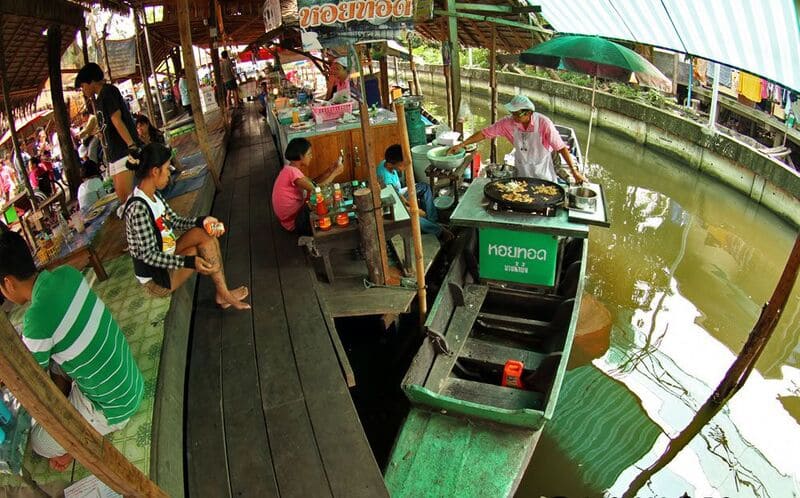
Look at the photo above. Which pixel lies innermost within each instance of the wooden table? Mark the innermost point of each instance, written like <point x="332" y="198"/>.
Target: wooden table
<point x="79" y="258"/>
<point x="348" y="238"/>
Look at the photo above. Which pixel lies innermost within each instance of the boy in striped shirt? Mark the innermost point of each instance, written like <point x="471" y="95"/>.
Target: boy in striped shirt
<point x="67" y="324"/>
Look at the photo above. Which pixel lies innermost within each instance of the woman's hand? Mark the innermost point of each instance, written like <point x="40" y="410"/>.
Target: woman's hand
<point x="579" y="178"/>
<point x="454" y="149"/>
<point x="203" y="267"/>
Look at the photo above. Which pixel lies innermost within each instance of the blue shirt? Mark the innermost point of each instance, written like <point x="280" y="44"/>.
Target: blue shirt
<point x="386" y="177"/>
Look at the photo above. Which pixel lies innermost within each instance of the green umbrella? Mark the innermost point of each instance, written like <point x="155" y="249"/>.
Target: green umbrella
<point x="597" y="57"/>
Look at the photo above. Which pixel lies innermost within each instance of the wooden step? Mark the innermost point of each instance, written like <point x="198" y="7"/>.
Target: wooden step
<point x="493" y="395"/>
<point x="498" y="354"/>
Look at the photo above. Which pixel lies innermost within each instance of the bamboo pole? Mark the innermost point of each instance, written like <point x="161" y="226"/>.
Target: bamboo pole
<point x="455" y="66"/>
<point x="153" y="67"/>
<point x="591" y="119"/>
<point x="69" y="155"/>
<point x="737" y="374"/>
<point x="375" y="187"/>
<point x="42" y="399"/>
<point x="413" y="68"/>
<point x="12" y="128"/>
<point x="85" y="45"/>
<point x="416" y="233"/>
<point x="105" y="53"/>
<point x="493" y="87"/>
<point x="384" y="66"/>
<point x="185" y="28"/>
<point x="368" y="228"/>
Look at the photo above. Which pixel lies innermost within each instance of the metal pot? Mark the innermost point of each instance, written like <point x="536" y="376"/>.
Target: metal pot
<point x="500" y="171"/>
<point x="583" y="198"/>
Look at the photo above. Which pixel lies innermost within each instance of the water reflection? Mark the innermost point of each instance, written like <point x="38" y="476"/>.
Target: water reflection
<point x="683" y="270"/>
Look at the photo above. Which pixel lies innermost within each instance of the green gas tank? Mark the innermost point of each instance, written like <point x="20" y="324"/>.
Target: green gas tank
<point x="416" y="127"/>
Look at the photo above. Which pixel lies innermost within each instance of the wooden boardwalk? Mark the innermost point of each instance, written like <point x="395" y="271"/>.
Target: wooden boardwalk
<point x="268" y="410"/>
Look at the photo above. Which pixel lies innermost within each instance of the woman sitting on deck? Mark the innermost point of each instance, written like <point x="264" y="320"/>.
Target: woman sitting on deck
<point x="162" y="262"/>
<point x="292" y="186"/>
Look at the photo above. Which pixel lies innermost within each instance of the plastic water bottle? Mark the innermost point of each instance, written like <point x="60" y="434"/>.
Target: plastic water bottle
<point x="337" y="196"/>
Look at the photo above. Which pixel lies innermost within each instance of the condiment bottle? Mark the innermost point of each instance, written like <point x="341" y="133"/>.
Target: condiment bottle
<point x="337" y="196"/>
<point x="325" y="223"/>
<point x="321" y="207"/>
<point x="343" y="219"/>
<point x="295" y="116"/>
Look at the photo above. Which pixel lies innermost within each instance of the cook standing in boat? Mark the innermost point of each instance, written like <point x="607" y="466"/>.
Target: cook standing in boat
<point x="534" y="138"/>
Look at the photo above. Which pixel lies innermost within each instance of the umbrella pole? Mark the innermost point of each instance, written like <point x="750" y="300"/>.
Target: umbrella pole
<point x="591" y="118"/>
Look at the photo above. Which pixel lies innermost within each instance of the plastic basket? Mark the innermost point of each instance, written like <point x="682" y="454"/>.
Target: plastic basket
<point x="48" y="251"/>
<point x="330" y="112"/>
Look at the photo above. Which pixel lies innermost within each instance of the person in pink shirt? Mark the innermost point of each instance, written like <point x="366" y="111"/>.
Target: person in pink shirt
<point x="292" y="187"/>
<point x="7" y="181"/>
<point x="534" y="137"/>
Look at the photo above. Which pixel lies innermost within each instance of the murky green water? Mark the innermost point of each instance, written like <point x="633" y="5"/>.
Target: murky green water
<point x="683" y="270"/>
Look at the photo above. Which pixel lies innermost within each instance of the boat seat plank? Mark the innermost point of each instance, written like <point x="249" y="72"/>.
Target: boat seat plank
<point x="493" y="395"/>
<point x="498" y="354"/>
<point x="457" y="333"/>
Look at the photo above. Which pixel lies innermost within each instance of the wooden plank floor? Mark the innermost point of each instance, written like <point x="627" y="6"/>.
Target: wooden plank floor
<point x="268" y="411"/>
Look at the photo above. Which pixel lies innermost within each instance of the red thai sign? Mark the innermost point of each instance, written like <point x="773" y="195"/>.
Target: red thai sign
<point x="353" y="10"/>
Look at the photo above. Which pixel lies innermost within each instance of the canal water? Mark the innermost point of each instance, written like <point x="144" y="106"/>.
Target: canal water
<point x="684" y="271"/>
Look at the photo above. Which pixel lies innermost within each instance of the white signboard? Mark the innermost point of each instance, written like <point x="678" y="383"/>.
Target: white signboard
<point x="272" y="15"/>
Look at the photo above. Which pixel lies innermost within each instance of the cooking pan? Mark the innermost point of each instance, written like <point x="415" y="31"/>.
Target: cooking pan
<point x="524" y="194"/>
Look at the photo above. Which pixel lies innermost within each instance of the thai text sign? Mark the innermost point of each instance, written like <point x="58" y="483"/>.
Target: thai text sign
<point x="520" y="257"/>
<point x="313" y="14"/>
<point x="121" y="57"/>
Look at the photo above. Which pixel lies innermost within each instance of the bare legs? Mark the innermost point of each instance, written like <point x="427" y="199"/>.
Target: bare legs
<point x="197" y="242"/>
<point x="123" y="185"/>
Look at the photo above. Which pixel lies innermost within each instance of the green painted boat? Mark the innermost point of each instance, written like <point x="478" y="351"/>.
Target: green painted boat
<point x="466" y="435"/>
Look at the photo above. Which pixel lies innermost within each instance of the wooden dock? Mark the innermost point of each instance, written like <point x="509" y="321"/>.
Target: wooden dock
<point x="268" y="410"/>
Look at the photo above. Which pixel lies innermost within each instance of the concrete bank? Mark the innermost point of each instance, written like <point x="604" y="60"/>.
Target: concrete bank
<point x="734" y="163"/>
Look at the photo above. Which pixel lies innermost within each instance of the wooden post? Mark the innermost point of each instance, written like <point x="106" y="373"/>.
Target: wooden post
<point x="455" y="65"/>
<point x="153" y="67"/>
<point x="413" y="67"/>
<point x="375" y="187"/>
<point x="493" y="87"/>
<point x="43" y="400"/>
<point x="384" y="65"/>
<point x="736" y="375"/>
<point x="416" y="233"/>
<point x="69" y="155"/>
<point x="105" y="54"/>
<point x="12" y="128"/>
<point x="185" y="28"/>
<point x="219" y="94"/>
<point x="448" y="94"/>
<point x="85" y="45"/>
<point x="143" y="72"/>
<point x="368" y="227"/>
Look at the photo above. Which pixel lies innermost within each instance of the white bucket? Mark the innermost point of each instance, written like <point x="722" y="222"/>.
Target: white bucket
<point x="419" y="158"/>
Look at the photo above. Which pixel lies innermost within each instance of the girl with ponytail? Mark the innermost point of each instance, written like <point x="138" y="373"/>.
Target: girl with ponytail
<point x="163" y="261"/>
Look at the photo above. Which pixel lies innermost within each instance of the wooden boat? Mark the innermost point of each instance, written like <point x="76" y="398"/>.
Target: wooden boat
<point x="466" y="434"/>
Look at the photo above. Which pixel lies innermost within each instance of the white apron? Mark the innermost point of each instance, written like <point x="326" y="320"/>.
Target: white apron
<point x="531" y="157"/>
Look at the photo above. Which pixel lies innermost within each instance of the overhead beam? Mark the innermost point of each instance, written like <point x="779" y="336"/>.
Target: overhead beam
<point x="499" y="9"/>
<point x="495" y="20"/>
<point x="50" y="11"/>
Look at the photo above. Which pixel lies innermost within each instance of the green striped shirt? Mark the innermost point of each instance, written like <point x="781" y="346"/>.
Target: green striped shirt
<point x="68" y="323"/>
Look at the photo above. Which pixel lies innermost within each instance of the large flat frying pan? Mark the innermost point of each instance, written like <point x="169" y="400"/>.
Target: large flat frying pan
<point x="524" y="194"/>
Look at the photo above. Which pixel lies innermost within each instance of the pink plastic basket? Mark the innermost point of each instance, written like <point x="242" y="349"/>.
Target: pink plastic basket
<point x="329" y="112"/>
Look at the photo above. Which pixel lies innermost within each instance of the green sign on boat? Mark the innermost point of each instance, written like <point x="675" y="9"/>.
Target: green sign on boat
<point x="520" y="257"/>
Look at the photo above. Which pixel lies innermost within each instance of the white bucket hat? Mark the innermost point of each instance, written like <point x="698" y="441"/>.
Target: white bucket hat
<point x="342" y="61"/>
<point x="519" y="103"/>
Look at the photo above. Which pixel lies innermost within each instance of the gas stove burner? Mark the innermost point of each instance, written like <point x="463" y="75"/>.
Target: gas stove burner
<point x="548" y="211"/>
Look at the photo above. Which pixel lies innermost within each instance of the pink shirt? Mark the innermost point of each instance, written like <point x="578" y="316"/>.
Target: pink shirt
<point x="287" y="199"/>
<point x="547" y="131"/>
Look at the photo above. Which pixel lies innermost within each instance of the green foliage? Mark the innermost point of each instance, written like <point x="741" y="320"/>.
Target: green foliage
<point x="655" y="99"/>
<point x="575" y="78"/>
<point x="623" y="90"/>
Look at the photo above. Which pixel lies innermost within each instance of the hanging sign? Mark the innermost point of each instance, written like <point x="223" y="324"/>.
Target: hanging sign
<point x="121" y="57"/>
<point x="272" y="15"/>
<point x="345" y="22"/>
<point x="313" y="13"/>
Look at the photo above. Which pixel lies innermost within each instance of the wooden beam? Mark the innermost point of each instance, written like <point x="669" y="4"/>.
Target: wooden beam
<point x="143" y="71"/>
<point x="69" y="155"/>
<point x="496" y="20"/>
<point x="44" y="401"/>
<point x="384" y="81"/>
<point x="85" y="44"/>
<point x="194" y="90"/>
<point x="153" y="69"/>
<point x="12" y="128"/>
<point x="498" y="9"/>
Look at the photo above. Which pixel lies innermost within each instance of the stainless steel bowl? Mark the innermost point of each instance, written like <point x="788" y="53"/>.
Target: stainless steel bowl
<point x="583" y="198"/>
<point x="500" y="171"/>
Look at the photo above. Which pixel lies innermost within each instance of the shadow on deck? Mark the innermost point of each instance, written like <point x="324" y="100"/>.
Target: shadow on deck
<point x="268" y="411"/>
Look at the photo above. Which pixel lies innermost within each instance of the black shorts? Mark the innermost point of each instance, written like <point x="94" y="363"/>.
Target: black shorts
<point x="230" y="85"/>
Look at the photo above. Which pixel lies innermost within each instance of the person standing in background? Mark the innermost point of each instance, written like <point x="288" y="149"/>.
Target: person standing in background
<point x="183" y="88"/>
<point x="229" y="78"/>
<point x="116" y="123"/>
